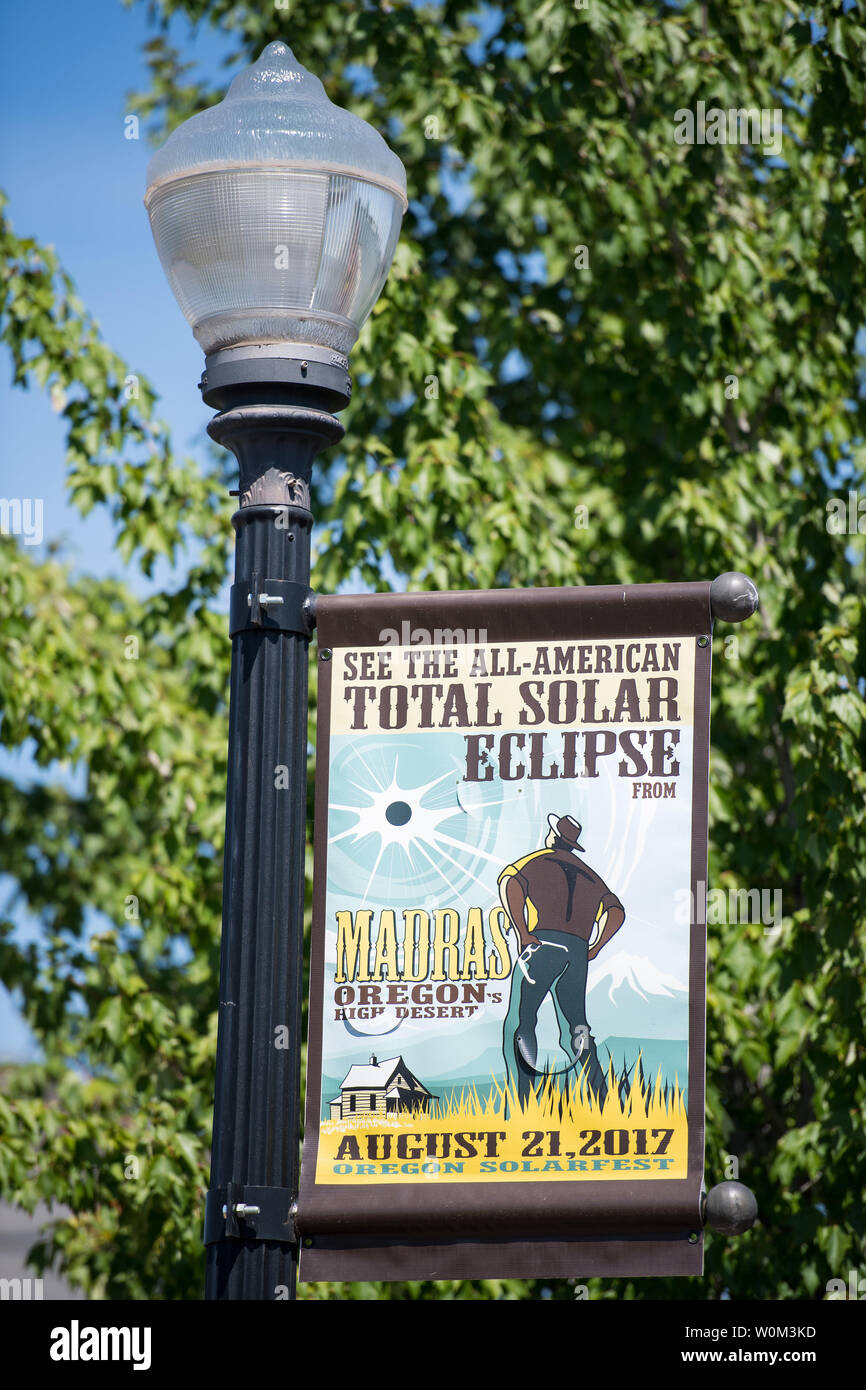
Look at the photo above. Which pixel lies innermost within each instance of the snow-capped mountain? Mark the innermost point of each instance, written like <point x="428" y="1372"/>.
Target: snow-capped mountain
<point x="628" y="996"/>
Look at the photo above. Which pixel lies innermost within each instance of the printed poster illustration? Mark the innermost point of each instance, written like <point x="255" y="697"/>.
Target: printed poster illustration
<point x="507" y="922"/>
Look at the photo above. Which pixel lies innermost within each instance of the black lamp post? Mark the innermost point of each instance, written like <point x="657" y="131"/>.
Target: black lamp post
<point x="276" y="216"/>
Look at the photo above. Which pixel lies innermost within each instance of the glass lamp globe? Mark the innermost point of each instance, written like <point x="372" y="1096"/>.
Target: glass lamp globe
<point x="276" y="213"/>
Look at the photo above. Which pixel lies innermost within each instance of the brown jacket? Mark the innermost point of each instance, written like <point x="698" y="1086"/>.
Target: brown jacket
<point x="562" y="892"/>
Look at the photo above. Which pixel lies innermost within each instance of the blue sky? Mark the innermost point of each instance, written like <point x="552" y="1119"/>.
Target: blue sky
<point x="75" y="182"/>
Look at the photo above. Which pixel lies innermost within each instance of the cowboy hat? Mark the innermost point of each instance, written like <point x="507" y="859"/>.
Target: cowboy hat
<point x="568" y="829"/>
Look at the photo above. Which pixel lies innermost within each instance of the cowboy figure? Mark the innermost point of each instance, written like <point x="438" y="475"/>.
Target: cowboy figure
<point x="555" y="902"/>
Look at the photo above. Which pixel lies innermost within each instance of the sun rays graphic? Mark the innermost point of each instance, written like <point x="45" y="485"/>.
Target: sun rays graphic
<point x="398" y="833"/>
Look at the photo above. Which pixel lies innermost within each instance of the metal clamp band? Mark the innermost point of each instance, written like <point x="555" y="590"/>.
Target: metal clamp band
<point x="240" y="1212"/>
<point x="279" y="605"/>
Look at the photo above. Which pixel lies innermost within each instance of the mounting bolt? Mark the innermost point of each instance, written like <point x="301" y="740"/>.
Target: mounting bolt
<point x="326" y="654"/>
<point x="266" y="600"/>
<point x="242" y="1209"/>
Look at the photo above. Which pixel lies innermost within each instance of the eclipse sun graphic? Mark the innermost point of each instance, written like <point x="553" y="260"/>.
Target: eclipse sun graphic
<point x="402" y="838"/>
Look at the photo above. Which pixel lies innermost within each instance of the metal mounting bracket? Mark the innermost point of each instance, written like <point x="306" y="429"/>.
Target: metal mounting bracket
<point x="280" y="605"/>
<point x="241" y="1212"/>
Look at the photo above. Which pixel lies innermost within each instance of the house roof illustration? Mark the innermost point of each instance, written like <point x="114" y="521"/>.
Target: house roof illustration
<point x="391" y="1075"/>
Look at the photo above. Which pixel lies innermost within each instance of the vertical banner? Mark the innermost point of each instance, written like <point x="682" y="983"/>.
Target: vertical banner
<point x="507" y="1018"/>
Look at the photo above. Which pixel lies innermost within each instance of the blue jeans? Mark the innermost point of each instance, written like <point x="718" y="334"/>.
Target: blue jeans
<point x="557" y="966"/>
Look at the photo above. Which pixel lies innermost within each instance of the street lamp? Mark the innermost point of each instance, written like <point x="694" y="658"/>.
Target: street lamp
<point x="275" y="215"/>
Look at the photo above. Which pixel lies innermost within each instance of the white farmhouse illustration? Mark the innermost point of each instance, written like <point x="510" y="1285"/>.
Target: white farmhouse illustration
<point x="380" y="1088"/>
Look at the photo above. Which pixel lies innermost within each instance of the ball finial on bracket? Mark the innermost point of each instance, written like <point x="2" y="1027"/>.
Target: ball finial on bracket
<point x="733" y="597"/>
<point x="730" y="1208"/>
